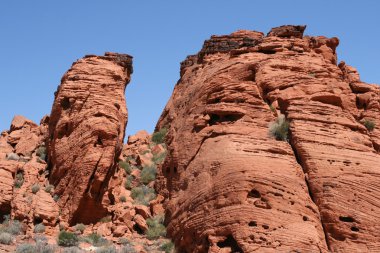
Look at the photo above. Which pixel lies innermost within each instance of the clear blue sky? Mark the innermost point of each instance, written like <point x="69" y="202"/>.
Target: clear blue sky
<point x="41" y="38"/>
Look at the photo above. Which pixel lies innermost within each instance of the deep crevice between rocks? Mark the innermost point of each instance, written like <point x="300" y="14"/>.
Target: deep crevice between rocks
<point x="283" y="106"/>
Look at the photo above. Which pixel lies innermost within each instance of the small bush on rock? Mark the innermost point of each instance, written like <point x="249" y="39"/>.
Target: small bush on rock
<point x="106" y="219"/>
<point x="159" y="158"/>
<point x="13" y="156"/>
<point x="40" y="247"/>
<point x="122" y="199"/>
<point x="80" y="227"/>
<point x="369" y="124"/>
<point x="159" y="136"/>
<point x="67" y="239"/>
<point x="41" y="152"/>
<point x="95" y="239"/>
<point x="19" y="180"/>
<point x="49" y="188"/>
<point x="35" y="188"/>
<point x="143" y="194"/>
<point x="109" y="249"/>
<point x="39" y="228"/>
<point x="167" y="247"/>
<point x="5" y="238"/>
<point x="156" y="228"/>
<point x="128" y="182"/>
<point x="148" y="174"/>
<point x="56" y="197"/>
<point x="127" y="249"/>
<point x="280" y="128"/>
<point x="125" y="165"/>
<point x="72" y="250"/>
<point x="12" y="227"/>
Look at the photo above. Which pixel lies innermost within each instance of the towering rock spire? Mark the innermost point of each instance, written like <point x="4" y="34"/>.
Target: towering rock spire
<point x="86" y="129"/>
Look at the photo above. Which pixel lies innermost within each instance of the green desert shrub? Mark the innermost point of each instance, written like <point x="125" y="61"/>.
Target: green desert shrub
<point x="56" y="197"/>
<point x="159" y="158"/>
<point x="280" y="128"/>
<point x="106" y="219"/>
<point x="95" y="240"/>
<point x="369" y="124"/>
<point x="41" y="152"/>
<point x="13" y="227"/>
<point x="122" y="199"/>
<point x="35" y="188"/>
<point x="156" y="227"/>
<point x="80" y="227"/>
<point x="13" y="156"/>
<point x="67" y="239"/>
<point x="159" y="136"/>
<point x="5" y="238"/>
<point x="106" y="249"/>
<point x="40" y="247"/>
<point x="19" y="180"/>
<point x="127" y="249"/>
<point x="148" y="174"/>
<point x="49" y="188"/>
<point x="128" y="182"/>
<point x="39" y="228"/>
<point x="72" y="250"/>
<point x="125" y="165"/>
<point x="168" y="247"/>
<point x="25" y="248"/>
<point x="143" y="194"/>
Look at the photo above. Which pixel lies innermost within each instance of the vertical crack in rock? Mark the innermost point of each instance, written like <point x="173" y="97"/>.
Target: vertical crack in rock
<point x="86" y="128"/>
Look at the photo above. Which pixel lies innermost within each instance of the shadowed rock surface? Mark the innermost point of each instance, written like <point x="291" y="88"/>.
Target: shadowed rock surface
<point x="86" y="132"/>
<point x="230" y="187"/>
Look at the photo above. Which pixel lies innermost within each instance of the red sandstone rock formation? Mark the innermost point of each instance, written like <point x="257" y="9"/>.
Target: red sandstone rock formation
<point x="86" y="133"/>
<point x="233" y="188"/>
<point x="21" y="169"/>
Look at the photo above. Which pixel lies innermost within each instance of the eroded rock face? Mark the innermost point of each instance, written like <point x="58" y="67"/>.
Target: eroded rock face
<point x="86" y="134"/>
<point x="233" y="188"/>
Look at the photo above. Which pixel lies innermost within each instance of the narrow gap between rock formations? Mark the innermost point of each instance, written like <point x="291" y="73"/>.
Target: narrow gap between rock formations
<point x="263" y="94"/>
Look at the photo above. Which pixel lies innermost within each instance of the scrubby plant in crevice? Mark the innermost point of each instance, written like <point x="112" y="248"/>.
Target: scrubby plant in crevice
<point x="49" y="188"/>
<point x="143" y="194"/>
<point x="39" y="228"/>
<point x="35" y="188"/>
<point x="125" y="165"/>
<point x="159" y="158"/>
<point x="80" y="227"/>
<point x="19" y="180"/>
<point x="128" y="182"/>
<point x="148" y="174"/>
<point x="369" y="124"/>
<point x="280" y="128"/>
<point x="41" y="152"/>
<point x="159" y="136"/>
<point x="156" y="227"/>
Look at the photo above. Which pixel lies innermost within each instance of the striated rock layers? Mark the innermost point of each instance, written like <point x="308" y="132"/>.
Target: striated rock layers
<point x="230" y="187"/>
<point x="86" y="132"/>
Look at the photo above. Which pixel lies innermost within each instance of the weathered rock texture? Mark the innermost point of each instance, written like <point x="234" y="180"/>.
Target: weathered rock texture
<point x="86" y="131"/>
<point x="233" y="188"/>
<point x="22" y="169"/>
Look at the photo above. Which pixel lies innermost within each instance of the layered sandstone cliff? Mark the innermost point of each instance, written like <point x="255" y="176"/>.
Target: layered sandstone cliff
<point x="233" y="188"/>
<point x="86" y="133"/>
